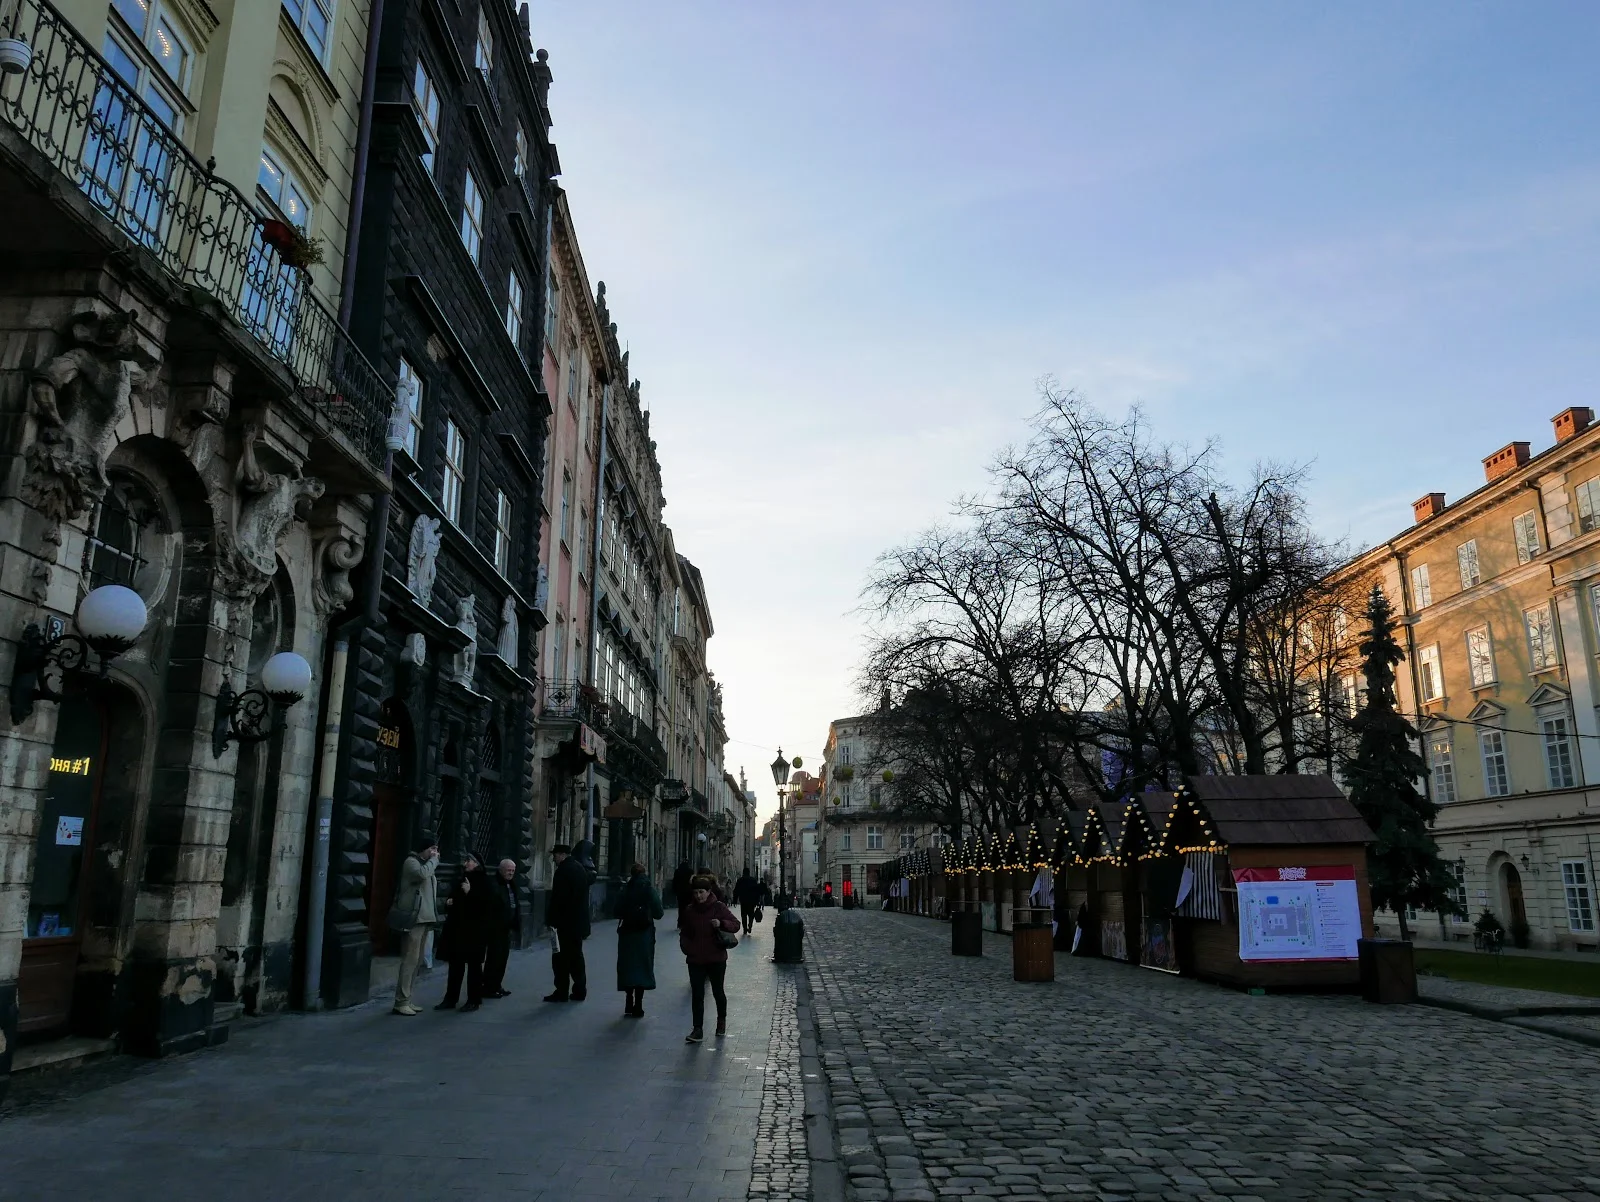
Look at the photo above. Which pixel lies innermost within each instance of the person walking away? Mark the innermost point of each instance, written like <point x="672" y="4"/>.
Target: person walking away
<point x="748" y="896"/>
<point x="507" y="921"/>
<point x="417" y="896"/>
<point x="469" y="915"/>
<point x="700" y="936"/>
<point x="568" y="916"/>
<point x="637" y="912"/>
<point x="680" y="887"/>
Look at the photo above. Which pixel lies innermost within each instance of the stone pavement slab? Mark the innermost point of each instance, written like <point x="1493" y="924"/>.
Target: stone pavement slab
<point x="950" y="1080"/>
<point x="520" y="1101"/>
<point x="1500" y="1001"/>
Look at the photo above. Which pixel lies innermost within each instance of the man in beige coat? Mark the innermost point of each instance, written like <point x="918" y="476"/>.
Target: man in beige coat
<point x="415" y="896"/>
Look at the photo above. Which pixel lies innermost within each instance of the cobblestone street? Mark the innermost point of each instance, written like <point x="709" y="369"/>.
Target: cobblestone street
<point x="950" y="1080"/>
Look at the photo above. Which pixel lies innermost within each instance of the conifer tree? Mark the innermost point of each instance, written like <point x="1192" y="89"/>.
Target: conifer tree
<point x="1403" y="865"/>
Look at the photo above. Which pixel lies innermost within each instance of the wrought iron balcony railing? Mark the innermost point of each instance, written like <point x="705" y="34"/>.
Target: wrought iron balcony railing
<point x="572" y="699"/>
<point x="74" y="107"/>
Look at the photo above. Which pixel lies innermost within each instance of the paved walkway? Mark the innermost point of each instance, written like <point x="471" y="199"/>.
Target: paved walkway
<point x="948" y="1079"/>
<point x="519" y="1101"/>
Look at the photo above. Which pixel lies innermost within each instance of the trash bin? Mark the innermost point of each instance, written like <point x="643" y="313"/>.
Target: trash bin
<point x="788" y="930"/>
<point x="966" y="933"/>
<point x="1388" y="971"/>
<point x="1033" y="952"/>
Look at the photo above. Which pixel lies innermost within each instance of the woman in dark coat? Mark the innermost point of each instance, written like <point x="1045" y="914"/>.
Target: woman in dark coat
<point x="469" y="912"/>
<point x="700" y="930"/>
<point x="637" y="912"/>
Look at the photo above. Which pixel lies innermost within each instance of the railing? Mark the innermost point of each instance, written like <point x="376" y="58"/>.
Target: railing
<point x="572" y="699"/>
<point x="74" y="108"/>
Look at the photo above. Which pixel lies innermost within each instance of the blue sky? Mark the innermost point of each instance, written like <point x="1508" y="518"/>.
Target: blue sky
<point x="844" y="241"/>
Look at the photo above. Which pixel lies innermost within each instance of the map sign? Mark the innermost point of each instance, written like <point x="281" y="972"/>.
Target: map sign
<point x="1298" y="913"/>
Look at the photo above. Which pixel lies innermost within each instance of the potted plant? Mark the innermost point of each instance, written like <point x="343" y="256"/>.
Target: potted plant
<point x="15" y="55"/>
<point x="294" y="246"/>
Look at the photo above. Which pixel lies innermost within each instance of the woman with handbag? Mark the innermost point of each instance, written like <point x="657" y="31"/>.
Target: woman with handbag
<point x="415" y="910"/>
<point x="706" y="930"/>
<point x="637" y="912"/>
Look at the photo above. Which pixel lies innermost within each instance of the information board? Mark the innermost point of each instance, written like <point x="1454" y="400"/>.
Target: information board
<point x="1298" y="913"/>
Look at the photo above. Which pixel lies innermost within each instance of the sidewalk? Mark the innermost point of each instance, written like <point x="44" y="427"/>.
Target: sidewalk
<point x="521" y="1100"/>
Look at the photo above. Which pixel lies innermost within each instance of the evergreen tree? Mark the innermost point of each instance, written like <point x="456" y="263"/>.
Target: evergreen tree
<point x="1403" y="865"/>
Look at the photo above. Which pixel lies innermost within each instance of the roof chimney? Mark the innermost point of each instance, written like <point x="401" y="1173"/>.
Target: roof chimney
<point x="1505" y="461"/>
<point x="1430" y="506"/>
<point x="1572" y="421"/>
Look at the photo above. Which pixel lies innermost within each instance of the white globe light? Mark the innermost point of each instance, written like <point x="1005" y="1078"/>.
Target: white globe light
<point x="286" y="677"/>
<point x="701" y="836"/>
<point x="111" y="618"/>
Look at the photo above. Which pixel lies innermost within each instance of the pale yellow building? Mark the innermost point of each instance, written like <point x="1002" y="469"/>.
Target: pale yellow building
<point x="1500" y="592"/>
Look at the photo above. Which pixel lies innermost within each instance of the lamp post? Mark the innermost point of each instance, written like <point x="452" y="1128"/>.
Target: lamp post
<point x="780" y="777"/>
<point x="110" y="620"/>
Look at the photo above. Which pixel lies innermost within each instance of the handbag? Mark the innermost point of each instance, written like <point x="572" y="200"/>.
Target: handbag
<point x="758" y="914"/>
<point x="727" y="938"/>
<point x="401" y="920"/>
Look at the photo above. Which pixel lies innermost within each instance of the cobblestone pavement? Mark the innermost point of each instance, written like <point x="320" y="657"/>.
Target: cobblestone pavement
<point x="950" y="1080"/>
<point x="1502" y="999"/>
<point x="520" y="1101"/>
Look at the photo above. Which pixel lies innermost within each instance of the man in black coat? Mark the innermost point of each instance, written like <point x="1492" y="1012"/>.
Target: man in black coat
<point x="507" y="920"/>
<point x="468" y="917"/>
<point x="747" y="893"/>
<point x="568" y="915"/>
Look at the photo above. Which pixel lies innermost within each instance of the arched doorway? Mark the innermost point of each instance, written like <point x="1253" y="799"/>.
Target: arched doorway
<point x="1516" y="909"/>
<point x="389" y="835"/>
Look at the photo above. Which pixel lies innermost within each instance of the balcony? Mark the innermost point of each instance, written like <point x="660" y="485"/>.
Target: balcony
<point x="573" y="700"/>
<point x="90" y="125"/>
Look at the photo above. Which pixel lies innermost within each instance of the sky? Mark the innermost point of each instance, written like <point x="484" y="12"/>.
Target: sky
<point x="844" y="241"/>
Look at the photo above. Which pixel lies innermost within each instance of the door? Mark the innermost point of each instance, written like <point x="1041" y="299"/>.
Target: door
<point x="1514" y="904"/>
<point x="53" y="935"/>
<point x="381" y="884"/>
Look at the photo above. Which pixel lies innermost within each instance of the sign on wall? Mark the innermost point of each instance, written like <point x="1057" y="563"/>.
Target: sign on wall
<point x="1298" y="913"/>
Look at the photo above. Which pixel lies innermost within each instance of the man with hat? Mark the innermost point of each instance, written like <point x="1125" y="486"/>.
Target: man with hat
<point x="417" y="901"/>
<point x="568" y="915"/>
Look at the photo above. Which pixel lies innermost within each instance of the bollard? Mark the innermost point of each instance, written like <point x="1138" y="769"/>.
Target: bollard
<point x="1388" y="971"/>
<point x="966" y="933"/>
<point x="787" y="932"/>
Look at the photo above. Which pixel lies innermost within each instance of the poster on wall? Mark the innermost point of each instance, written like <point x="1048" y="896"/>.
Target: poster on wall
<point x="1113" y="939"/>
<point x="1298" y="913"/>
<point x="1159" y="952"/>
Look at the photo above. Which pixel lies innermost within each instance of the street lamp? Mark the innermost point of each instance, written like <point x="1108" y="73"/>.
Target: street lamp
<point x="249" y="717"/>
<point x="780" y="777"/>
<point x="110" y="620"/>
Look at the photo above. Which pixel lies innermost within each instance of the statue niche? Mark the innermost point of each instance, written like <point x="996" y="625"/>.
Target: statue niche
<point x="78" y="399"/>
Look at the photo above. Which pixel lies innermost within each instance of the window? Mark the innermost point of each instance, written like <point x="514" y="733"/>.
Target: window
<point x="939" y="840"/>
<point x="283" y="190"/>
<point x="552" y="308"/>
<point x="874" y="838"/>
<point x="483" y="53"/>
<point x="1480" y="657"/>
<point x="875" y="795"/>
<point x="1441" y="762"/>
<point x="558" y="659"/>
<point x="1432" y="679"/>
<point x="845" y="841"/>
<point x="1350" y="691"/>
<point x="502" y="531"/>
<point x="580" y="552"/>
<point x="1526" y="531"/>
<point x="1580" y="906"/>
<point x="1458" y="890"/>
<point x="455" y="471"/>
<point x="572" y="374"/>
<point x="1496" y="780"/>
<point x="472" y="216"/>
<point x="426" y="99"/>
<point x="1557" y="751"/>
<point x="1542" y="652"/>
<point x="158" y="33"/>
<point x="514" y="309"/>
<point x="519" y="154"/>
<point x="312" y="18"/>
<point x="1421" y="589"/>
<point x="410" y="390"/>
<point x="1588" y="494"/>
<point x="1341" y="625"/>
<point x="908" y="841"/>
<point x="566" y="508"/>
<point x="1467" y="561"/>
<point x="844" y="754"/>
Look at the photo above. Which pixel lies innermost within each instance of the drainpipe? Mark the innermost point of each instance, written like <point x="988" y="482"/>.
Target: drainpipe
<point x="358" y="184"/>
<point x="594" y="585"/>
<point x="317" y="909"/>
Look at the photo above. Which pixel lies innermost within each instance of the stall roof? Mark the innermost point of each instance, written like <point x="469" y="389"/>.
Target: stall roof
<point x="1259" y="811"/>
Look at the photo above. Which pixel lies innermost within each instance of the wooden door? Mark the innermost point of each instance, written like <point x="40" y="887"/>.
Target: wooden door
<point x="385" y="863"/>
<point x="1519" y="912"/>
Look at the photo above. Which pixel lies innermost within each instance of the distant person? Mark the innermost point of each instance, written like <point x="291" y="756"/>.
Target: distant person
<point x="416" y="898"/>
<point x="507" y="922"/>
<point x="747" y="895"/>
<point x="568" y="916"/>
<point x="680" y="887"/>
<point x="468" y="916"/>
<point x="701" y="929"/>
<point x="637" y="912"/>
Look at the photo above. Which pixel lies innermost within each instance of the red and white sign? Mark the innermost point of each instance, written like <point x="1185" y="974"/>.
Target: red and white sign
<point x="1294" y="913"/>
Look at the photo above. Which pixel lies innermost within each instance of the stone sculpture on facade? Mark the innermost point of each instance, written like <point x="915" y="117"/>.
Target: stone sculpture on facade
<point x="506" y="644"/>
<point x="78" y="399"/>
<point x="338" y="551"/>
<point x="467" y="624"/>
<point x="268" y="502"/>
<point x="422" y="559"/>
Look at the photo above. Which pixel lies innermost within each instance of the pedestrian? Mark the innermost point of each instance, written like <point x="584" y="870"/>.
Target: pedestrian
<point x="748" y="896"/>
<point x="568" y="917"/>
<point x="507" y="921"/>
<point x="637" y="911"/>
<point x="468" y="917"/>
<point x="680" y="887"/>
<point x="416" y="900"/>
<point x="703" y="932"/>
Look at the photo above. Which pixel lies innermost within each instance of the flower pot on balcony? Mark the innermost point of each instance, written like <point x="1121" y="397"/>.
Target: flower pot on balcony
<point x="15" y="56"/>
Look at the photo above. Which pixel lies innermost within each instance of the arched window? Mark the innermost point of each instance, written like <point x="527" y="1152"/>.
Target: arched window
<point x="122" y="549"/>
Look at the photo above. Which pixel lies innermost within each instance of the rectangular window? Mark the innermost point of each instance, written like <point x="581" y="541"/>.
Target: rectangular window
<point x="1467" y="561"/>
<point x="1526" y="531"/>
<point x="483" y="53"/>
<point x="552" y="309"/>
<point x="559" y="655"/>
<point x="426" y="99"/>
<point x="1421" y="589"/>
<point x="580" y="552"/>
<point x="1432" y="679"/>
<point x="1458" y="891"/>
<point x="472" y="217"/>
<point x="908" y="841"/>
<point x="1441" y="763"/>
<point x="875" y="795"/>
<point x="514" y="309"/>
<point x="1542" y="651"/>
<point x="455" y="472"/>
<point x="1496" y="778"/>
<point x="874" y="838"/>
<point x="410" y="390"/>
<point x="845" y="842"/>
<point x="519" y="154"/>
<point x="1350" y="691"/>
<point x="1558" y="751"/>
<point x="566" y="509"/>
<point x="312" y="18"/>
<point x="502" y="531"/>
<point x="1588" y="494"/>
<point x="283" y="190"/>
<point x="572" y="374"/>
<point x="1580" y="904"/>
<point x="1480" y="657"/>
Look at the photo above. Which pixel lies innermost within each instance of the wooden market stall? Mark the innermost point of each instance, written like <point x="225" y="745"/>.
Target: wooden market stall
<point x="1107" y="886"/>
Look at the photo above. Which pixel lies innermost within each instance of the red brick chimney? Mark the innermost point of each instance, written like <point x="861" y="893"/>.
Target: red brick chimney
<point x="1504" y="461"/>
<point x="1572" y="421"/>
<point x="1430" y="506"/>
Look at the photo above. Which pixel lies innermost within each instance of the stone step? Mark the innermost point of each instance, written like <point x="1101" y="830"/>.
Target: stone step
<point x="66" y="1052"/>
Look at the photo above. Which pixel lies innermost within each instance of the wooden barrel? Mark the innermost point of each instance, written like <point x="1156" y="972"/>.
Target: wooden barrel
<point x="1033" y="954"/>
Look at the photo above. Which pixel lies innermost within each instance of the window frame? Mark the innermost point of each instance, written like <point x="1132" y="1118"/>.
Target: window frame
<point x="289" y="182"/>
<point x="483" y="46"/>
<point x="515" y="296"/>
<point x="874" y="833"/>
<point x="1525" y="533"/>
<point x="1558" y="750"/>
<point x="1467" y="554"/>
<point x="453" y="480"/>
<point x="1496" y="775"/>
<point x="1474" y="658"/>
<point x="566" y="509"/>
<point x="504" y="520"/>
<point x="1544" y="652"/>
<point x="1430" y="684"/>
<point x="1421" y="587"/>
<point x="430" y="113"/>
<point x="413" y="438"/>
<point x="1586" y="500"/>
<point x="329" y="12"/>
<point x="1442" y="766"/>
<point x="472" y="219"/>
<point x="1577" y="890"/>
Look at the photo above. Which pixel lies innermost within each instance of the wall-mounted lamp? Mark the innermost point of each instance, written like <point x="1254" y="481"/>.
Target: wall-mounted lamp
<point x="249" y="717"/>
<point x="110" y="620"/>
